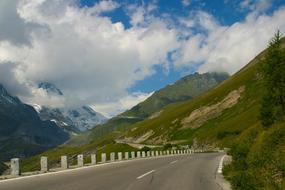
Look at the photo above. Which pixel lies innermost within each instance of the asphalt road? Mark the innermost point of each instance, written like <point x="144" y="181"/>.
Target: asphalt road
<point x="180" y="172"/>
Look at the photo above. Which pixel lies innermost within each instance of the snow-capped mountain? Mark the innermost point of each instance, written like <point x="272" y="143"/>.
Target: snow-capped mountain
<point x="74" y="119"/>
<point x="22" y="132"/>
<point x="50" y="88"/>
<point x="84" y="117"/>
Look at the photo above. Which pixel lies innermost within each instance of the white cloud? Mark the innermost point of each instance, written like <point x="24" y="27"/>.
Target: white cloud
<point x="95" y="61"/>
<point x="185" y="2"/>
<point x="90" y="58"/>
<point x="229" y="48"/>
<point x="113" y="108"/>
<point x="255" y="5"/>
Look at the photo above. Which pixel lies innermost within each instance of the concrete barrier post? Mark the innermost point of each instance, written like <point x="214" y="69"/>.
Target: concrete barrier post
<point x="15" y="167"/>
<point x="138" y="154"/>
<point x="120" y="156"/>
<point x="112" y="156"/>
<point x="133" y="155"/>
<point x="160" y="153"/>
<point x="44" y="164"/>
<point x="148" y="153"/>
<point x="80" y="160"/>
<point x="156" y="153"/>
<point x="103" y="157"/>
<point x="64" y="162"/>
<point x="93" y="159"/>
<point x="143" y="154"/>
<point x="152" y="154"/>
<point x="167" y="152"/>
<point x="126" y="155"/>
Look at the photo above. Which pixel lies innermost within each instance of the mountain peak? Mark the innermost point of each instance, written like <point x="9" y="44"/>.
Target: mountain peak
<point x="50" y="88"/>
<point x="5" y="97"/>
<point x="3" y="91"/>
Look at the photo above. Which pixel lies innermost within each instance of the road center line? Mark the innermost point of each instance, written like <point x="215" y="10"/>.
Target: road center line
<point x="145" y="174"/>
<point x="173" y="162"/>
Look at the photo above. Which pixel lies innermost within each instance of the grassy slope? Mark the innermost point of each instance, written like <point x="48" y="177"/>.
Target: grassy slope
<point x="227" y="125"/>
<point x="184" y="89"/>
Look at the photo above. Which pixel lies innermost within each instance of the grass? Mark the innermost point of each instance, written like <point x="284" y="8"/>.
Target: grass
<point x="3" y="167"/>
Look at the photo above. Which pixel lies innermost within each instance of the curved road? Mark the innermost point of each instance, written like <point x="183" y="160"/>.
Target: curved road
<point x="180" y="172"/>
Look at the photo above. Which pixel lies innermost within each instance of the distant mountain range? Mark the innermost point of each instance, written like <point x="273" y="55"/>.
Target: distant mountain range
<point x="22" y="132"/>
<point x="73" y="119"/>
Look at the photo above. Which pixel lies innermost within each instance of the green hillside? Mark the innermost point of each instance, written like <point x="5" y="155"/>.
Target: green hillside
<point x="184" y="89"/>
<point x="226" y="116"/>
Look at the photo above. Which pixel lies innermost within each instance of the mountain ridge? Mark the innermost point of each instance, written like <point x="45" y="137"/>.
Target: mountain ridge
<point x="74" y="120"/>
<point x="185" y="88"/>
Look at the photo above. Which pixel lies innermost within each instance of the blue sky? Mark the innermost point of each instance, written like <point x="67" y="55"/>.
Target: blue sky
<point x="227" y="12"/>
<point x="114" y="54"/>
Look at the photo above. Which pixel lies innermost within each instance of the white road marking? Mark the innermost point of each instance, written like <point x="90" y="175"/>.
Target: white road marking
<point x="173" y="162"/>
<point x="147" y="173"/>
<point x="220" y="168"/>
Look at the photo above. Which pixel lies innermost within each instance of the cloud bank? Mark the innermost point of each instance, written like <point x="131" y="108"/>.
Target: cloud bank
<point x="94" y="60"/>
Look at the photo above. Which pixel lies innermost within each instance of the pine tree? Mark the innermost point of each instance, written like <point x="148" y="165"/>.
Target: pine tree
<point x="273" y="71"/>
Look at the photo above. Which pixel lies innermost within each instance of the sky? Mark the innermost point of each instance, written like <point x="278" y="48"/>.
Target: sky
<point x="114" y="54"/>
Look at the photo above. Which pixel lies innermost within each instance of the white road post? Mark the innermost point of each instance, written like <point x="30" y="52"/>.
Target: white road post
<point x="44" y="164"/>
<point x="133" y="155"/>
<point x="126" y="155"/>
<point x="64" y="162"/>
<point x="15" y="167"/>
<point x="138" y="154"/>
<point x="93" y="159"/>
<point x="112" y="156"/>
<point x="148" y="153"/>
<point x="80" y="160"/>
<point x="103" y="157"/>
<point x="120" y="156"/>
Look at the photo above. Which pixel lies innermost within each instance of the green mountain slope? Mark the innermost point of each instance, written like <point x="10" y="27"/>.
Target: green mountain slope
<point x="184" y="89"/>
